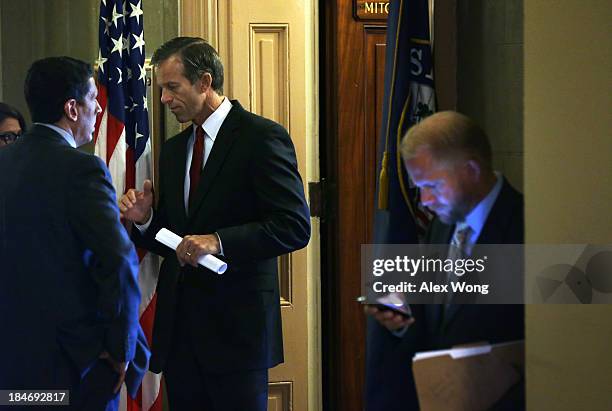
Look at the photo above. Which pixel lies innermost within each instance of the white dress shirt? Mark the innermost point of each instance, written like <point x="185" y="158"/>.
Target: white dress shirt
<point x="477" y="218"/>
<point x="211" y="128"/>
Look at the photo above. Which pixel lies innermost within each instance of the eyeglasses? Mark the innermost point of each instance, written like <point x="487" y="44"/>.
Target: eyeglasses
<point x="10" y="136"/>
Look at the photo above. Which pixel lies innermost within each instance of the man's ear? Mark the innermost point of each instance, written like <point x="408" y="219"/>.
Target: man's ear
<point x="206" y="82"/>
<point x="474" y="169"/>
<point x="70" y="110"/>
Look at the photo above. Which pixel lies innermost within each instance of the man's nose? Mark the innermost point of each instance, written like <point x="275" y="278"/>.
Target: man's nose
<point x="165" y="97"/>
<point x="427" y="198"/>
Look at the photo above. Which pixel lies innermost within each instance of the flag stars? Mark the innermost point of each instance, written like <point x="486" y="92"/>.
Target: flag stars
<point x="129" y="107"/>
<point x="116" y="16"/>
<point x="138" y="135"/>
<point x="125" y="11"/>
<point x="118" y="46"/>
<point x="101" y="60"/>
<point x="139" y="41"/>
<point x="143" y="73"/>
<point x="107" y="25"/>
<point x="125" y="71"/>
<point x="126" y="44"/>
<point x="137" y="12"/>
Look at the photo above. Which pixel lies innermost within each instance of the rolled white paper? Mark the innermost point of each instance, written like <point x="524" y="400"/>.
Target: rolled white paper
<point x="169" y="239"/>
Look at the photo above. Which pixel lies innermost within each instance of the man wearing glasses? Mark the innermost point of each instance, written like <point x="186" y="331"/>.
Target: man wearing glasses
<point x="12" y="124"/>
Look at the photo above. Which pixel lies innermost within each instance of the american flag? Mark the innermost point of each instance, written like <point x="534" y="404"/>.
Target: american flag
<point x="122" y="141"/>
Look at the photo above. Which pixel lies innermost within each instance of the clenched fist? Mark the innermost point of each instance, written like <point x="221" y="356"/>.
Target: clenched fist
<point x="136" y="206"/>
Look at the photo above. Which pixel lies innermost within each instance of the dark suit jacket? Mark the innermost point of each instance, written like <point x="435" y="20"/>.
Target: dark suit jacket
<point x="390" y="381"/>
<point x="67" y="267"/>
<point x="251" y="194"/>
<point x="468" y="323"/>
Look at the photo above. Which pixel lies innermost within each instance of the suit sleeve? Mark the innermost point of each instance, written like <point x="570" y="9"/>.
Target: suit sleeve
<point x="110" y="255"/>
<point x="284" y="219"/>
<point x="147" y="239"/>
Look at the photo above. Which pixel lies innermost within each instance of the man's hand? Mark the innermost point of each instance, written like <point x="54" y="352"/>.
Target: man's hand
<point x="119" y="367"/>
<point x="136" y="206"/>
<point x="390" y="320"/>
<point x="194" y="246"/>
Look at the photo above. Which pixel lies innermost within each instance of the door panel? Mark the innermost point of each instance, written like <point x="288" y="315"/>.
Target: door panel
<point x="374" y="90"/>
<point x="269" y="53"/>
<point x="354" y="53"/>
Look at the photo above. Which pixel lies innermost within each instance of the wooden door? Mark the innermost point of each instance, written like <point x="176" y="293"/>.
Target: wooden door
<point x="269" y="53"/>
<point x="354" y="56"/>
<point x="352" y="84"/>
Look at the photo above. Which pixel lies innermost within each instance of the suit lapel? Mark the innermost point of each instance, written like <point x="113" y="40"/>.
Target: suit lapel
<point x="490" y="234"/>
<point x="447" y="313"/>
<point x="176" y="194"/>
<point x="450" y="313"/>
<point x="223" y="143"/>
<point x="438" y="234"/>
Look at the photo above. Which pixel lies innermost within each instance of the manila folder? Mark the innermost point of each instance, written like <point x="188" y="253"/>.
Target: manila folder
<point x="467" y="378"/>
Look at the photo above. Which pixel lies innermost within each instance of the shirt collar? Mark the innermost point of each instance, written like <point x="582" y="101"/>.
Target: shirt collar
<point x="213" y="123"/>
<point x="478" y="216"/>
<point x="66" y="135"/>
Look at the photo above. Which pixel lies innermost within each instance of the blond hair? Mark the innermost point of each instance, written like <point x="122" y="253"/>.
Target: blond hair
<point x="449" y="136"/>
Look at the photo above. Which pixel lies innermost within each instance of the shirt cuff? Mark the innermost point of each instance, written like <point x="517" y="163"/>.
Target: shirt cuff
<point x="144" y="227"/>
<point x="220" y="244"/>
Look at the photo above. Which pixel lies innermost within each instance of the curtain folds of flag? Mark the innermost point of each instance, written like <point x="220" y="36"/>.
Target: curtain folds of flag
<point x="409" y="97"/>
<point x="122" y="141"/>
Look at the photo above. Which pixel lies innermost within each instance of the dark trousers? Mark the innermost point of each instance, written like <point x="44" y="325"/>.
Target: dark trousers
<point x="192" y="389"/>
<point x="95" y="390"/>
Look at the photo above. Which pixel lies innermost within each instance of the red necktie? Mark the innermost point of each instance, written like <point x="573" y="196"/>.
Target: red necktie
<point x="196" y="163"/>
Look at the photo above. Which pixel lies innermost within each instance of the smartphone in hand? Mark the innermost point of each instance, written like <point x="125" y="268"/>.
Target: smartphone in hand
<point x="384" y="305"/>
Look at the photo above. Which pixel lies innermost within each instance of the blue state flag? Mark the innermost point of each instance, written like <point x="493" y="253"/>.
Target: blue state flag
<point x="399" y="217"/>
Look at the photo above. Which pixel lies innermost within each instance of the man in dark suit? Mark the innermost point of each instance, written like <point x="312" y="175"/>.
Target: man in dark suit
<point x="230" y="185"/>
<point x="449" y="158"/>
<point x="69" y="295"/>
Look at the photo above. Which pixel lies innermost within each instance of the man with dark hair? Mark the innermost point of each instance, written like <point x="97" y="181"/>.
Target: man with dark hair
<point x="230" y="185"/>
<point x="449" y="158"/>
<point x="12" y="124"/>
<point x="198" y="58"/>
<point x="69" y="294"/>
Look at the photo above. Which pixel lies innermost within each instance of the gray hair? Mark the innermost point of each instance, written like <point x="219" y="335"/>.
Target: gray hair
<point x="449" y="136"/>
<point x="198" y="57"/>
